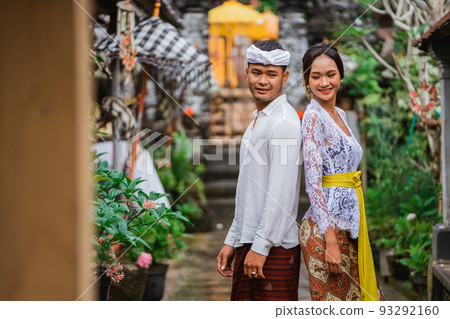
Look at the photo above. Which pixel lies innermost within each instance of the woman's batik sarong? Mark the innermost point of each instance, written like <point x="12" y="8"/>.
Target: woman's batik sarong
<point x="323" y="285"/>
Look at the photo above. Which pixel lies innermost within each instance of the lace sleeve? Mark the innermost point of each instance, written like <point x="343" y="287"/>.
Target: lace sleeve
<point x="313" y="142"/>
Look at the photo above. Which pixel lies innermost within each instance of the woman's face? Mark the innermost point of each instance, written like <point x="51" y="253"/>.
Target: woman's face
<point x="324" y="79"/>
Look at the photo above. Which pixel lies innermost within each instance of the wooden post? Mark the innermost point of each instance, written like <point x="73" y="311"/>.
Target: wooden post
<point x="45" y="188"/>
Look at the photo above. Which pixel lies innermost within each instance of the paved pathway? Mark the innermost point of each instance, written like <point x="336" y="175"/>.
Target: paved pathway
<point x="194" y="275"/>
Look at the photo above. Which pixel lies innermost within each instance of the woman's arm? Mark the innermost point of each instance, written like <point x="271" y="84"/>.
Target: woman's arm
<point x="313" y="143"/>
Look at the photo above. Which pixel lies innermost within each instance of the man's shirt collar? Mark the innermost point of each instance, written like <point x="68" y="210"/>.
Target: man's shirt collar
<point x="272" y="106"/>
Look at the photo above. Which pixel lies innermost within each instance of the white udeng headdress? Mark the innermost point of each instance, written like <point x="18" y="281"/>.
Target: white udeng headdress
<point x="274" y="57"/>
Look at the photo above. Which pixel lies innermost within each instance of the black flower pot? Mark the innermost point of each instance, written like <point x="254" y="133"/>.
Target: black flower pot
<point x="420" y="285"/>
<point x="131" y="287"/>
<point x="102" y="284"/>
<point x="156" y="280"/>
<point x="398" y="270"/>
<point x="105" y="284"/>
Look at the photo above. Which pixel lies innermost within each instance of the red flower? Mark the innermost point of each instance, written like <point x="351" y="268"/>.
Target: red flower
<point x="189" y="111"/>
<point x="413" y="94"/>
<point x="149" y="204"/>
<point x="114" y="273"/>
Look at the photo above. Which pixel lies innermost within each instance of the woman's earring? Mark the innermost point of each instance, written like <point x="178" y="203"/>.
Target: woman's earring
<point x="307" y="90"/>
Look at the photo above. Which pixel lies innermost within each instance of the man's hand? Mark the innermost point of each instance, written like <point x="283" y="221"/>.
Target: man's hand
<point x="224" y="260"/>
<point x="254" y="263"/>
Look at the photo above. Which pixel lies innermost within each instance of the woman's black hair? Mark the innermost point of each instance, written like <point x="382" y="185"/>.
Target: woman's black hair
<point x="314" y="52"/>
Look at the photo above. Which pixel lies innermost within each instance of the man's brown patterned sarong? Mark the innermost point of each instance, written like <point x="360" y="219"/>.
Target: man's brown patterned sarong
<point x="325" y="286"/>
<point x="281" y="269"/>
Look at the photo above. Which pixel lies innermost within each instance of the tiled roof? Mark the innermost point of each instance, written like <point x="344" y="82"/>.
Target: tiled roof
<point x="439" y="30"/>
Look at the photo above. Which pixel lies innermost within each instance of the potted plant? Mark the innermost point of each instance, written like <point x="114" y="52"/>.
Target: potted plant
<point x="165" y="239"/>
<point x="129" y="221"/>
<point x="180" y="175"/>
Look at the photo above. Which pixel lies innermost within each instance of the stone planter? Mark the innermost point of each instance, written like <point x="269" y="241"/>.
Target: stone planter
<point x="156" y="280"/>
<point x="383" y="261"/>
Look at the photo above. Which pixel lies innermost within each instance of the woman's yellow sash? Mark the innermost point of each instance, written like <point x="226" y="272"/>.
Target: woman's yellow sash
<point x="367" y="279"/>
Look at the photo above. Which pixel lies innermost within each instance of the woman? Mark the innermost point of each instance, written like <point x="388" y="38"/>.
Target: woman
<point x="333" y="234"/>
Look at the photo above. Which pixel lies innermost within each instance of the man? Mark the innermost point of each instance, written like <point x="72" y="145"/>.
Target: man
<point x="263" y="238"/>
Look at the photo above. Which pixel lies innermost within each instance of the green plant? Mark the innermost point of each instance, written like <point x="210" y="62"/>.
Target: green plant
<point x="181" y="178"/>
<point x="412" y="242"/>
<point x="403" y="193"/>
<point x="402" y="186"/>
<point x="190" y="208"/>
<point x="268" y="4"/>
<point x="125" y="216"/>
<point x="164" y="239"/>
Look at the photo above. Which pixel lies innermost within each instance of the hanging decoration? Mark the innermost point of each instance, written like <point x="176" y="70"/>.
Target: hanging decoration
<point x="179" y="63"/>
<point x="125" y="24"/>
<point x="424" y="101"/>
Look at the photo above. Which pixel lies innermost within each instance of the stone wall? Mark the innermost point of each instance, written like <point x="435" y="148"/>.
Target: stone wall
<point x="302" y="23"/>
<point x="293" y="37"/>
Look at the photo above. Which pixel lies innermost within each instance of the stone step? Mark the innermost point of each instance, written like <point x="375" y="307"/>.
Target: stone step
<point x="223" y="209"/>
<point x="220" y="172"/>
<point x="221" y="189"/>
<point x="221" y="158"/>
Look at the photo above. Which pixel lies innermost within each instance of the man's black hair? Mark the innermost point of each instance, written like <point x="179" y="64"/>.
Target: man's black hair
<point x="270" y="45"/>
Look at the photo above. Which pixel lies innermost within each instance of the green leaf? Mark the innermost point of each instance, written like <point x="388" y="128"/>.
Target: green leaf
<point x="143" y="242"/>
<point x="154" y="196"/>
<point x="131" y="239"/>
<point x="123" y="227"/>
<point x="111" y="230"/>
<point x="101" y="59"/>
<point x="113" y="193"/>
<point x="422" y="28"/>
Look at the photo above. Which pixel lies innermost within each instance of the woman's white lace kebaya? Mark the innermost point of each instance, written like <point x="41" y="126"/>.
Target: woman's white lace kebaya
<point x="327" y="150"/>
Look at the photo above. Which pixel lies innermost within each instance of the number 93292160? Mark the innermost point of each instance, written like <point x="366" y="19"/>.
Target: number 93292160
<point x="408" y="310"/>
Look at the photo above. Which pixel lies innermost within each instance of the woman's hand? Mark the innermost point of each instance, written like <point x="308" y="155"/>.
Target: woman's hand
<point x="333" y="258"/>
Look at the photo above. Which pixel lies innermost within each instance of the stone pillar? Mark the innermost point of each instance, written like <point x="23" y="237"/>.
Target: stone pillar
<point x="443" y="54"/>
<point x="439" y="268"/>
<point x="44" y="152"/>
<point x="196" y="31"/>
<point x="441" y="232"/>
<point x="293" y="38"/>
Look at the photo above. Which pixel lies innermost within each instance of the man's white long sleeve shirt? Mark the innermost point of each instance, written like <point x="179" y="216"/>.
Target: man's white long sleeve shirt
<point x="269" y="180"/>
